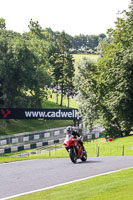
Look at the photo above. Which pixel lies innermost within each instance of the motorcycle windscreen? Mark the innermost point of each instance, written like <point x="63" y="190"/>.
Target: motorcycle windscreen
<point x="68" y="139"/>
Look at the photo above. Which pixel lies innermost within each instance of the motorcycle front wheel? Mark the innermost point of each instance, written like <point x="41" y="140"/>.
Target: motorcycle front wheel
<point x="73" y="155"/>
<point x="84" y="157"/>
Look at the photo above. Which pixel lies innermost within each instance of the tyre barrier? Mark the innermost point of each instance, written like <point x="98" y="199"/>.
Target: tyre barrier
<point x="33" y="145"/>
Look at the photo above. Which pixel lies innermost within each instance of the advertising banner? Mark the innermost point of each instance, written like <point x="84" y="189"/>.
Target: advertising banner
<point x="33" y="113"/>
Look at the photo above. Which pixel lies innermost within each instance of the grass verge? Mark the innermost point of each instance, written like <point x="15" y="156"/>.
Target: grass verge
<point x="114" y="186"/>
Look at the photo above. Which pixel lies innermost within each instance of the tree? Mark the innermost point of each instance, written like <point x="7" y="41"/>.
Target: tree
<point x="86" y="85"/>
<point x="35" y="27"/>
<point x="16" y="68"/>
<point x="86" y="41"/>
<point x="69" y="88"/>
<point x="39" y="42"/>
<point x="24" y="76"/>
<point x="56" y="67"/>
<point x="112" y="98"/>
<point x="62" y="66"/>
<point x="2" y="23"/>
<point x="115" y="78"/>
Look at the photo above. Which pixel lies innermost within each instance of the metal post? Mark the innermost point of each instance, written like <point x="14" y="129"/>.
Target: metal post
<point x="97" y="148"/>
<point x="123" y="150"/>
<point x="97" y="152"/>
<point x="49" y="153"/>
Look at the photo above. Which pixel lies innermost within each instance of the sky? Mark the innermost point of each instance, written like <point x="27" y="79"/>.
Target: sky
<point x="72" y="16"/>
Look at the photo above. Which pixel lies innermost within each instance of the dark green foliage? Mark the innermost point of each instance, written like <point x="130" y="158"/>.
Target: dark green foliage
<point x="23" y="73"/>
<point x="111" y="100"/>
<point x="116" y="78"/>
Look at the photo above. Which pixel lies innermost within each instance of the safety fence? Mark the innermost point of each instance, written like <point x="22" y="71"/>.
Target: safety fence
<point x="34" y="145"/>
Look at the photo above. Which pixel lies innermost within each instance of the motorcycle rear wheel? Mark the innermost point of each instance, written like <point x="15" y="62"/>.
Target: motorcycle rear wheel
<point x="72" y="155"/>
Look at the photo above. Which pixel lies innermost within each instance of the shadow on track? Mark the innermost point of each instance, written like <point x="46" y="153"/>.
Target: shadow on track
<point x="88" y="162"/>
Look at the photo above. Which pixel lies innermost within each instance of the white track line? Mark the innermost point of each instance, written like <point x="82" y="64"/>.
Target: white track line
<point x="50" y="187"/>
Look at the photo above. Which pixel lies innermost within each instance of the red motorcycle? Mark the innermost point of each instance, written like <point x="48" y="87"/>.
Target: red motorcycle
<point x="74" y="149"/>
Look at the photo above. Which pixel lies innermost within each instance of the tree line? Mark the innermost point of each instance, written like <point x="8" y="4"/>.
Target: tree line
<point x="81" y="42"/>
<point x="106" y="88"/>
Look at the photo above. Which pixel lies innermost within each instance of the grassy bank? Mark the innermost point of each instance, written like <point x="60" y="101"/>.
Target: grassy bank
<point x="20" y="126"/>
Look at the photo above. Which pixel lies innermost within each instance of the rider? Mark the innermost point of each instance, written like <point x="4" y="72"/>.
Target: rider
<point x="75" y="134"/>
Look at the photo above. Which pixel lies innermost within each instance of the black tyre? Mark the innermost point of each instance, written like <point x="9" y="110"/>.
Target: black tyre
<point x="84" y="157"/>
<point x="73" y="155"/>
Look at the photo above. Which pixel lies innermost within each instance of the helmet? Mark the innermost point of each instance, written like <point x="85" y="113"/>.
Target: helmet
<point x="69" y="128"/>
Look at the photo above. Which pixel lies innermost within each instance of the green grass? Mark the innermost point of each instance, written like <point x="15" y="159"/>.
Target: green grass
<point x="114" y="148"/>
<point x="20" y="126"/>
<point x="78" y="57"/>
<point x="114" y="186"/>
<point x="51" y="103"/>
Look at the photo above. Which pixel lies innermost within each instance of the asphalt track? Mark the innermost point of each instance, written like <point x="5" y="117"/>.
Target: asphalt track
<point x="25" y="176"/>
